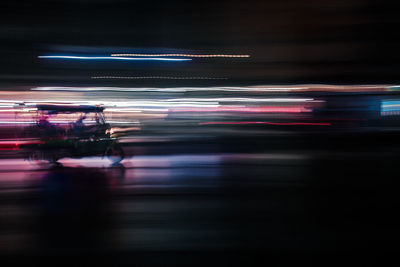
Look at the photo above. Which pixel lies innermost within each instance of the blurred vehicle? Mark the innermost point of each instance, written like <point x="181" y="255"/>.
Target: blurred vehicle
<point x="71" y="131"/>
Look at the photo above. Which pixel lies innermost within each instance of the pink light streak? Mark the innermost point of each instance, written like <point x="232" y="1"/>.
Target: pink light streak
<point x="271" y="109"/>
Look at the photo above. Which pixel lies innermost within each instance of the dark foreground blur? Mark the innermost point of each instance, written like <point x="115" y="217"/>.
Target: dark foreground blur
<point x="332" y="199"/>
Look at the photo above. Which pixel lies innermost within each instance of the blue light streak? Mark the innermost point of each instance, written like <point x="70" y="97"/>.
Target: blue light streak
<point x="390" y="106"/>
<point x="116" y="58"/>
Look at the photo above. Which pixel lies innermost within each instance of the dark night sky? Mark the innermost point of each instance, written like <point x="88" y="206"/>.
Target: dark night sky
<point x="289" y="41"/>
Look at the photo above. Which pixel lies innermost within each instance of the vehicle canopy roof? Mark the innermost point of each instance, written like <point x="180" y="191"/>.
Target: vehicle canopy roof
<point x="53" y="109"/>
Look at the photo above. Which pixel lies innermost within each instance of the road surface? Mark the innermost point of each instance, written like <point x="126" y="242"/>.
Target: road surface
<point x="226" y="208"/>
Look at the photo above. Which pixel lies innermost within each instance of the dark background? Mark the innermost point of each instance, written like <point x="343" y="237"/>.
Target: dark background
<point x="289" y="41"/>
<point x="277" y="194"/>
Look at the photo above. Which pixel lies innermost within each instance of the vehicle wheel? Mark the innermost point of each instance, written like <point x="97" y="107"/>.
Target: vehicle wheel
<point x="35" y="158"/>
<point x="53" y="159"/>
<point x="93" y="138"/>
<point x="115" y="153"/>
<point x="55" y="164"/>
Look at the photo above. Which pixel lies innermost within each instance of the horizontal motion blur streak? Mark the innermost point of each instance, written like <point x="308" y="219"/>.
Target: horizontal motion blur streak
<point x="265" y="122"/>
<point x="157" y="77"/>
<point x="177" y="55"/>
<point x="115" y="58"/>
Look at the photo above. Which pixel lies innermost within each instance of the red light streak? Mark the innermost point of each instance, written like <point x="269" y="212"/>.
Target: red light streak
<point x="265" y="122"/>
<point x="16" y="145"/>
<point x="9" y="146"/>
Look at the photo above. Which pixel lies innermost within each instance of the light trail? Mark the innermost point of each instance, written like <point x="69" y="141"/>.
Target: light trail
<point x="246" y="109"/>
<point x="182" y="55"/>
<point x="157" y="77"/>
<point x="115" y="58"/>
<point x="265" y="122"/>
<point x="17" y="122"/>
<point x="171" y="89"/>
<point x="242" y="99"/>
<point x="254" y="89"/>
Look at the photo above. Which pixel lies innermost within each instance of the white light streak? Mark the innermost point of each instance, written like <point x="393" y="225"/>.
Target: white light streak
<point x="232" y="99"/>
<point x="18" y="110"/>
<point x="16" y="122"/>
<point x="171" y="89"/>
